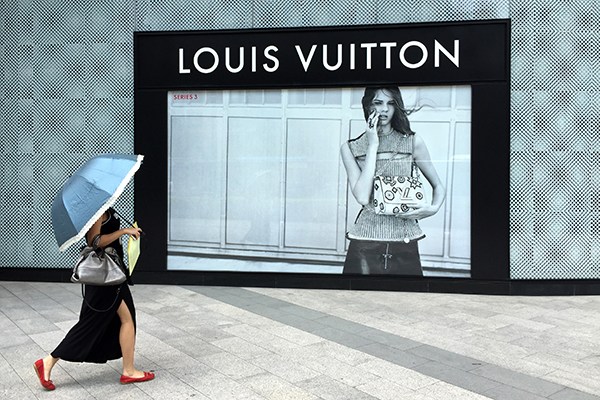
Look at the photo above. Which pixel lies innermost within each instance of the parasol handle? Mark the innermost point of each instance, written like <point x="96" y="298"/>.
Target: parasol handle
<point x="142" y="233"/>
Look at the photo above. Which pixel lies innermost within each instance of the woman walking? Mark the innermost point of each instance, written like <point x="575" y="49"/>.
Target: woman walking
<point x="107" y="325"/>
<point x="381" y="243"/>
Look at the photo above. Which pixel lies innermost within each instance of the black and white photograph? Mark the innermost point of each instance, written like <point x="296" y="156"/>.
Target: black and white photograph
<point x="369" y="180"/>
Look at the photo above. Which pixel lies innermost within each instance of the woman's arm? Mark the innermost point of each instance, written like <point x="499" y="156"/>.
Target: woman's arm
<point x="360" y="181"/>
<point x="110" y="237"/>
<point x="423" y="161"/>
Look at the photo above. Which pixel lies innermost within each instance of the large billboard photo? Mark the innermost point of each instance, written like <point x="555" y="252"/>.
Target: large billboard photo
<point x="258" y="178"/>
<point x="351" y="151"/>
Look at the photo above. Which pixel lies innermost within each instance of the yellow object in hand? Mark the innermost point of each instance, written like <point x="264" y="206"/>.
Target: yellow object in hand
<point x="133" y="250"/>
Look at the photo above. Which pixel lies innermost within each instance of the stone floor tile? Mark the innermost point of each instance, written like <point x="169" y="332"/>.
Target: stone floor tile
<point x="386" y="390"/>
<point x="510" y="392"/>
<point x="232" y="365"/>
<point x="327" y="388"/>
<point x="295" y="335"/>
<point x="537" y="386"/>
<point x="242" y="348"/>
<point x="586" y="382"/>
<point x="445" y="391"/>
<point x="446" y="357"/>
<point x="457" y="377"/>
<point x="391" y="372"/>
<point x="274" y="388"/>
<point x="399" y="357"/>
<point x="285" y="368"/>
<point x="572" y="394"/>
<point x="193" y="346"/>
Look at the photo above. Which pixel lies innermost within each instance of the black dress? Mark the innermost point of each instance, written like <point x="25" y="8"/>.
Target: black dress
<point x="95" y="337"/>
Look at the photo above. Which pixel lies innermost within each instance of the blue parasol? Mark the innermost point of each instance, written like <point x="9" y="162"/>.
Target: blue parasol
<point x="88" y="193"/>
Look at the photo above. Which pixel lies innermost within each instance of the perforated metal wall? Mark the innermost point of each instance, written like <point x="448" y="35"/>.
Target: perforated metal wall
<point x="555" y="192"/>
<point x="67" y="94"/>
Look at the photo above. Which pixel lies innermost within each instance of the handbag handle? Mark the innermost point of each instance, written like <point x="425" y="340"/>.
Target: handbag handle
<point x="95" y="309"/>
<point x="99" y="251"/>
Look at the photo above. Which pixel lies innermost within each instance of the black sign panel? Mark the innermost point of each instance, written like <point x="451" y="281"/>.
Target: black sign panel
<point x="403" y="54"/>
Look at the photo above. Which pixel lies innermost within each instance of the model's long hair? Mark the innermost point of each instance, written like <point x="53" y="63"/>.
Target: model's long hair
<point x="400" y="118"/>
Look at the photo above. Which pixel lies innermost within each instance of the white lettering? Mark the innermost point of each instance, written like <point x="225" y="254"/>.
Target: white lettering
<point x="306" y="62"/>
<point x="228" y="64"/>
<point x="368" y="46"/>
<point x="439" y="48"/>
<point x="207" y="59"/>
<point x="339" y="58"/>
<point x="388" y="53"/>
<point x="271" y="57"/>
<point x="423" y="58"/>
<point x="181" y="69"/>
<point x="214" y="65"/>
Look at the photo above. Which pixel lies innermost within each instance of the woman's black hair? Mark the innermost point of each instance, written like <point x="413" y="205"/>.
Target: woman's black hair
<point x="400" y="118"/>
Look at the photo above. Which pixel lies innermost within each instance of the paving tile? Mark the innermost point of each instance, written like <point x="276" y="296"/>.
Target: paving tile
<point x="572" y="394"/>
<point x="330" y="389"/>
<point x="285" y="368"/>
<point x="386" y="390"/>
<point x="446" y="357"/>
<point x="241" y="348"/>
<point x="260" y="337"/>
<point x="342" y="353"/>
<point x="275" y="388"/>
<point x="445" y="391"/>
<point x="399" y="357"/>
<point x="193" y="346"/>
<point x="302" y="311"/>
<point x="504" y="392"/>
<point x="20" y="311"/>
<point x="214" y="384"/>
<point x="402" y="376"/>
<point x="342" y="324"/>
<point x="295" y="335"/>
<point x="584" y="381"/>
<point x="537" y="386"/>
<point x="13" y="336"/>
<point x="342" y="337"/>
<point x="32" y="326"/>
<point x="231" y="365"/>
<point x="457" y="377"/>
<point x="298" y="322"/>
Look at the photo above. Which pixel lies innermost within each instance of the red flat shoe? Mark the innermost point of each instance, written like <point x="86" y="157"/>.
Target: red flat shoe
<point x="148" y="376"/>
<point x="38" y="366"/>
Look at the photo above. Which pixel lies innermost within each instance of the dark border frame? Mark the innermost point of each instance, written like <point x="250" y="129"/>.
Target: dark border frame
<point x="489" y="170"/>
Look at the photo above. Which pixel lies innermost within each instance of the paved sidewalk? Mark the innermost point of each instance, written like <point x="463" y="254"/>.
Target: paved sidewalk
<point x="262" y="343"/>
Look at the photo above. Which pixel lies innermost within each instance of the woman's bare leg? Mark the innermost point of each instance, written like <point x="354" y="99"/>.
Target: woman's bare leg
<point x="49" y="363"/>
<point x="127" y="341"/>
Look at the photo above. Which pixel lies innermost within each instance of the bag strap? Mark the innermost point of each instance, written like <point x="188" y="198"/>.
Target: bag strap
<point x="95" y="309"/>
<point x="414" y="170"/>
<point x="95" y="241"/>
<point x="99" y="251"/>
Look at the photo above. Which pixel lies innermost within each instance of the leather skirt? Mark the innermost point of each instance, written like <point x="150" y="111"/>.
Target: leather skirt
<point x="368" y="257"/>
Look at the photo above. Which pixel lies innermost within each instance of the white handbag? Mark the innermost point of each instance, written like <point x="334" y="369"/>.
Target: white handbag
<point x="393" y="194"/>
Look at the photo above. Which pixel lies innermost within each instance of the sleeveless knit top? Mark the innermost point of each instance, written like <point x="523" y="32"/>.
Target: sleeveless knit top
<point x="379" y="227"/>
